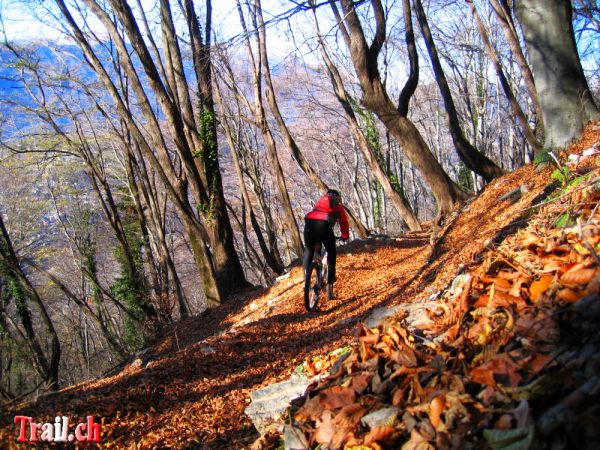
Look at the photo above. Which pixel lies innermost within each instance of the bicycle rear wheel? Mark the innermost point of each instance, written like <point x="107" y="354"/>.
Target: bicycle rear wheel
<point x="312" y="287"/>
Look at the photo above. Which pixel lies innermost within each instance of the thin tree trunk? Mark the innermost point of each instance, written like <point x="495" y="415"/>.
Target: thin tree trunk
<point x="46" y="365"/>
<point x="283" y="128"/>
<point x="375" y="98"/>
<point x="261" y="119"/>
<point x="514" y="104"/>
<point x="275" y="264"/>
<point x="162" y="164"/>
<point x="474" y="159"/>
<point x="400" y="203"/>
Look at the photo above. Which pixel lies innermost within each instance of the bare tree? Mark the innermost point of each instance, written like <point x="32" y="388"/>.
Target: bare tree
<point x="211" y="239"/>
<point x="399" y="202"/>
<point x="475" y="160"/>
<point x="375" y="98"/>
<point x="508" y="92"/>
<point x="23" y="293"/>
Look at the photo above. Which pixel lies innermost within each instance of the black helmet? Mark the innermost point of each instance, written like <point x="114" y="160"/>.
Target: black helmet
<point x="334" y="197"/>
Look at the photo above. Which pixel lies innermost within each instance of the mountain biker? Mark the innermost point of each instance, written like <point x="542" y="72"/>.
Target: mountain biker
<point x="318" y="227"/>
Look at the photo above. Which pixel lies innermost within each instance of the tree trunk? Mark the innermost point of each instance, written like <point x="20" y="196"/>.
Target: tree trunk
<point x="289" y="139"/>
<point x="46" y="365"/>
<point x="565" y="98"/>
<point x="510" y="33"/>
<point x="446" y="193"/>
<point x="275" y="264"/>
<point x="514" y="104"/>
<point x="474" y="159"/>
<point x="261" y="119"/>
<point x="400" y="203"/>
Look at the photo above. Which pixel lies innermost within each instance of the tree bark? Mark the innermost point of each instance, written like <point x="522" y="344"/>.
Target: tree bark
<point x="364" y="57"/>
<point x="473" y="158"/>
<point x="565" y="98"/>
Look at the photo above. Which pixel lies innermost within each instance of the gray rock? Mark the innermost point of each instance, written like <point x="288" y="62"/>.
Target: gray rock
<point x="270" y="403"/>
<point x="207" y="349"/>
<point x="294" y="439"/>
<point x="379" y="315"/>
<point x="381" y="417"/>
<point x="282" y="277"/>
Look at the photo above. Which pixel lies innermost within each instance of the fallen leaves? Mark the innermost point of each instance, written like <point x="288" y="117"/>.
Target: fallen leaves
<point x="496" y="327"/>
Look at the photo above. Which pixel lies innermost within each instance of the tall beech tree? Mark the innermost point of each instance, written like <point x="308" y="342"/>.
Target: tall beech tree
<point x="398" y="200"/>
<point x="473" y="158"/>
<point x="375" y="98"/>
<point x="565" y="98"/>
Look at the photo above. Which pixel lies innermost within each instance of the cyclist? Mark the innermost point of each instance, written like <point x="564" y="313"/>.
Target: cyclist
<point x="318" y="227"/>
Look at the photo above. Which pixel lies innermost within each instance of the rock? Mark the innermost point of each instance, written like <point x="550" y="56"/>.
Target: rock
<point x="378" y="315"/>
<point x="459" y="281"/>
<point x="282" y="277"/>
<point x="294" y="439"/>
<point x="207" y="350"/>
<point x="381" y="417"/>
<point x="137" y="362"/>
<point x="270" y="403"/>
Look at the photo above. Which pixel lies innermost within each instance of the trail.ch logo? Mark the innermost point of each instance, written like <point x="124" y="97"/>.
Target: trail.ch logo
<point x="30" y="431"/>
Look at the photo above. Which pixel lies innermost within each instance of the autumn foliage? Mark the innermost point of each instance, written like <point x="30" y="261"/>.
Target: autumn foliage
<point x="487" y="368"/>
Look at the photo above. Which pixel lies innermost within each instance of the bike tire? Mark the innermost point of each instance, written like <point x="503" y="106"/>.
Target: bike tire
<point x="312" y="287"/>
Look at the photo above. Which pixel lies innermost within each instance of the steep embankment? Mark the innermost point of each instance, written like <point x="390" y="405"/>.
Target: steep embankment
<point x="190" y="389"/>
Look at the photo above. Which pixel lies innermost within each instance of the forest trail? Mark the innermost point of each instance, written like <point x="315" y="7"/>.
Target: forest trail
<point x="190" y="389"/>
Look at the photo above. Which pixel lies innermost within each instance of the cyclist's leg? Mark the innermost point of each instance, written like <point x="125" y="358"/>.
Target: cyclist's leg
<point x="329" y="242"/>
<point x="309" y="243"/>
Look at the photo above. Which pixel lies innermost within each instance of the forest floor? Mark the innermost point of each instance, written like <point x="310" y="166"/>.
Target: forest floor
<point x="191" y="388"/>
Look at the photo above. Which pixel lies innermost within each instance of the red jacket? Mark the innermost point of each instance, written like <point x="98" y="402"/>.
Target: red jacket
<point x="324" y="211"/>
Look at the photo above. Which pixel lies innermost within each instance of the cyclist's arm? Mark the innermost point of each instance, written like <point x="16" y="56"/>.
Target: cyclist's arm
<point x="344" y="227"/>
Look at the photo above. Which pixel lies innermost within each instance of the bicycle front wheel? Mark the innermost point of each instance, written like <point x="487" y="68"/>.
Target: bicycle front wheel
<point x="312" y="286"/>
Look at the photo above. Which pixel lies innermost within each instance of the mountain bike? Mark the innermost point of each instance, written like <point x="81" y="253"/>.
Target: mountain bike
<point x="315" y="278"/>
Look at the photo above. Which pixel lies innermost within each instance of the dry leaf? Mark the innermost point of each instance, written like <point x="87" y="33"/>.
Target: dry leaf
<point x="569" y="295"/>
<point x="499" y="370"/>
<point x="417" y="442"/>
<point x="361" y="381"/>
<point x="578" y="276"/>
<point x="436" y="408"/>
<point x="538" y="287"/>
<point x="336" y="397"/>
<point x="379" y="434"/>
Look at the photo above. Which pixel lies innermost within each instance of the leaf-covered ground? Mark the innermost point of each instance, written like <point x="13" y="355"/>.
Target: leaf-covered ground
<point x="500" y="354"/>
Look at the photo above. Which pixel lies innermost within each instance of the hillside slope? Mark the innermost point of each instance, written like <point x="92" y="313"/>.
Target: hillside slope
<point x="190" y="389"/>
